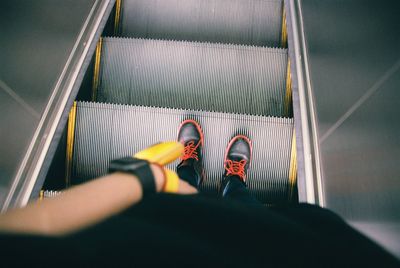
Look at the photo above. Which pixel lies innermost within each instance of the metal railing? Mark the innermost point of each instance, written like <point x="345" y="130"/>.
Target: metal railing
<point x="41" y="148"/>
<point x="309" y="168"/>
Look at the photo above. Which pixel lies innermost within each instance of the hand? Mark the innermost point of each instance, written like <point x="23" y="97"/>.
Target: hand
<point x="184" y="187"/>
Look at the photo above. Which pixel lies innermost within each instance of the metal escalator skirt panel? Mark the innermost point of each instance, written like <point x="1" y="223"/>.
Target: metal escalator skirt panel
<point x="108" y="131"/>
<point x="195" y="76"/>
<point x="250" y="22"/>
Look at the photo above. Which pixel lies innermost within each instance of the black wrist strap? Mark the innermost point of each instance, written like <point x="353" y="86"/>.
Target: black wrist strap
<point x="138" y="167"/>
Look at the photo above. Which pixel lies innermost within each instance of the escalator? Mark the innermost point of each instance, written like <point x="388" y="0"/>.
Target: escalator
<point x="222" y="63"/>
<point x="283" y="72"/>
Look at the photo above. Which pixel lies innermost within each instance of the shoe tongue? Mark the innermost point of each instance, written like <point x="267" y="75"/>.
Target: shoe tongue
<point x="192" y="139"/>
<point x="187" y="162"/>
<point x="237" y="157"/>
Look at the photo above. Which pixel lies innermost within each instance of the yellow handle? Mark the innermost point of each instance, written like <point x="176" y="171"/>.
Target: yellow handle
<point x="161" y="153"/>
<point x="172" y="181"/>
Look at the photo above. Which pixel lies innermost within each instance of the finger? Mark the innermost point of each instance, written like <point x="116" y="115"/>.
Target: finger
<point x="186" y="188"/>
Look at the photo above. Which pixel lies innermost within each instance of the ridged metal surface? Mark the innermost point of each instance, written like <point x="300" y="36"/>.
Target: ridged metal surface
<point x="49" y="194"/>
<point x="190" y="75"/>
<point x="108" y="131"/>
<point x="251" y="22"/>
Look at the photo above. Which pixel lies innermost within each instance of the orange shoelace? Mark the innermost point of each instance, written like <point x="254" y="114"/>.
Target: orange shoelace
<point x="236" y="168"/>
<point x="190" y="151"/>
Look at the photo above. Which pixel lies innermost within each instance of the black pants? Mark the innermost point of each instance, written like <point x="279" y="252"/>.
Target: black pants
<point x="235" y="188"/>
<point x="172" y="230"/>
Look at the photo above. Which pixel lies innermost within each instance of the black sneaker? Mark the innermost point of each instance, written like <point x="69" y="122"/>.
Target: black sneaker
<point x="237" y="159"/>
<point x="191" y="136"/>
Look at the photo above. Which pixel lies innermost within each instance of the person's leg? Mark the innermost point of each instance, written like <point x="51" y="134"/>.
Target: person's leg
<point x="190" y="168"/>
<point x="188" y="174"/>
<point x="237" y="160"/>
<point x="236" y="189"/>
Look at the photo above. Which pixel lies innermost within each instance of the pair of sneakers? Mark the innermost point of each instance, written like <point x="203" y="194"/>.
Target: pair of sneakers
<point x="237" y="154"/>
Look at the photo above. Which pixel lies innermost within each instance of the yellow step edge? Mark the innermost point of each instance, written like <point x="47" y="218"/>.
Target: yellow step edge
<point x="284" y="27"/>
<point x="70" y="144"/>
<point x="292" y="169"/>
<point x="288" y="95"/>
<point x="41" y="195"/>
<point x="96" y="72"/>
<point x="117" y="20"/>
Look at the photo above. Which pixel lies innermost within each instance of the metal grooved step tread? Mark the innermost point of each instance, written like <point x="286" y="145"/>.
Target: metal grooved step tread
<point x="196" y="76"/>
<point x="251" y="22"/>
<point x="107" y="131"/>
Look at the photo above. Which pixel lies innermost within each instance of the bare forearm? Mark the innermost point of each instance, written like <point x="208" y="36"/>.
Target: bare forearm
<point x="78" y="207"/>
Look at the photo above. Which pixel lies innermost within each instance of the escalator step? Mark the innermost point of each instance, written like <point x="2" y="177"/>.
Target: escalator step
<point x="250" y="22"/>
<point x="196" y="76"/>
<point x="107" y="131"/>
